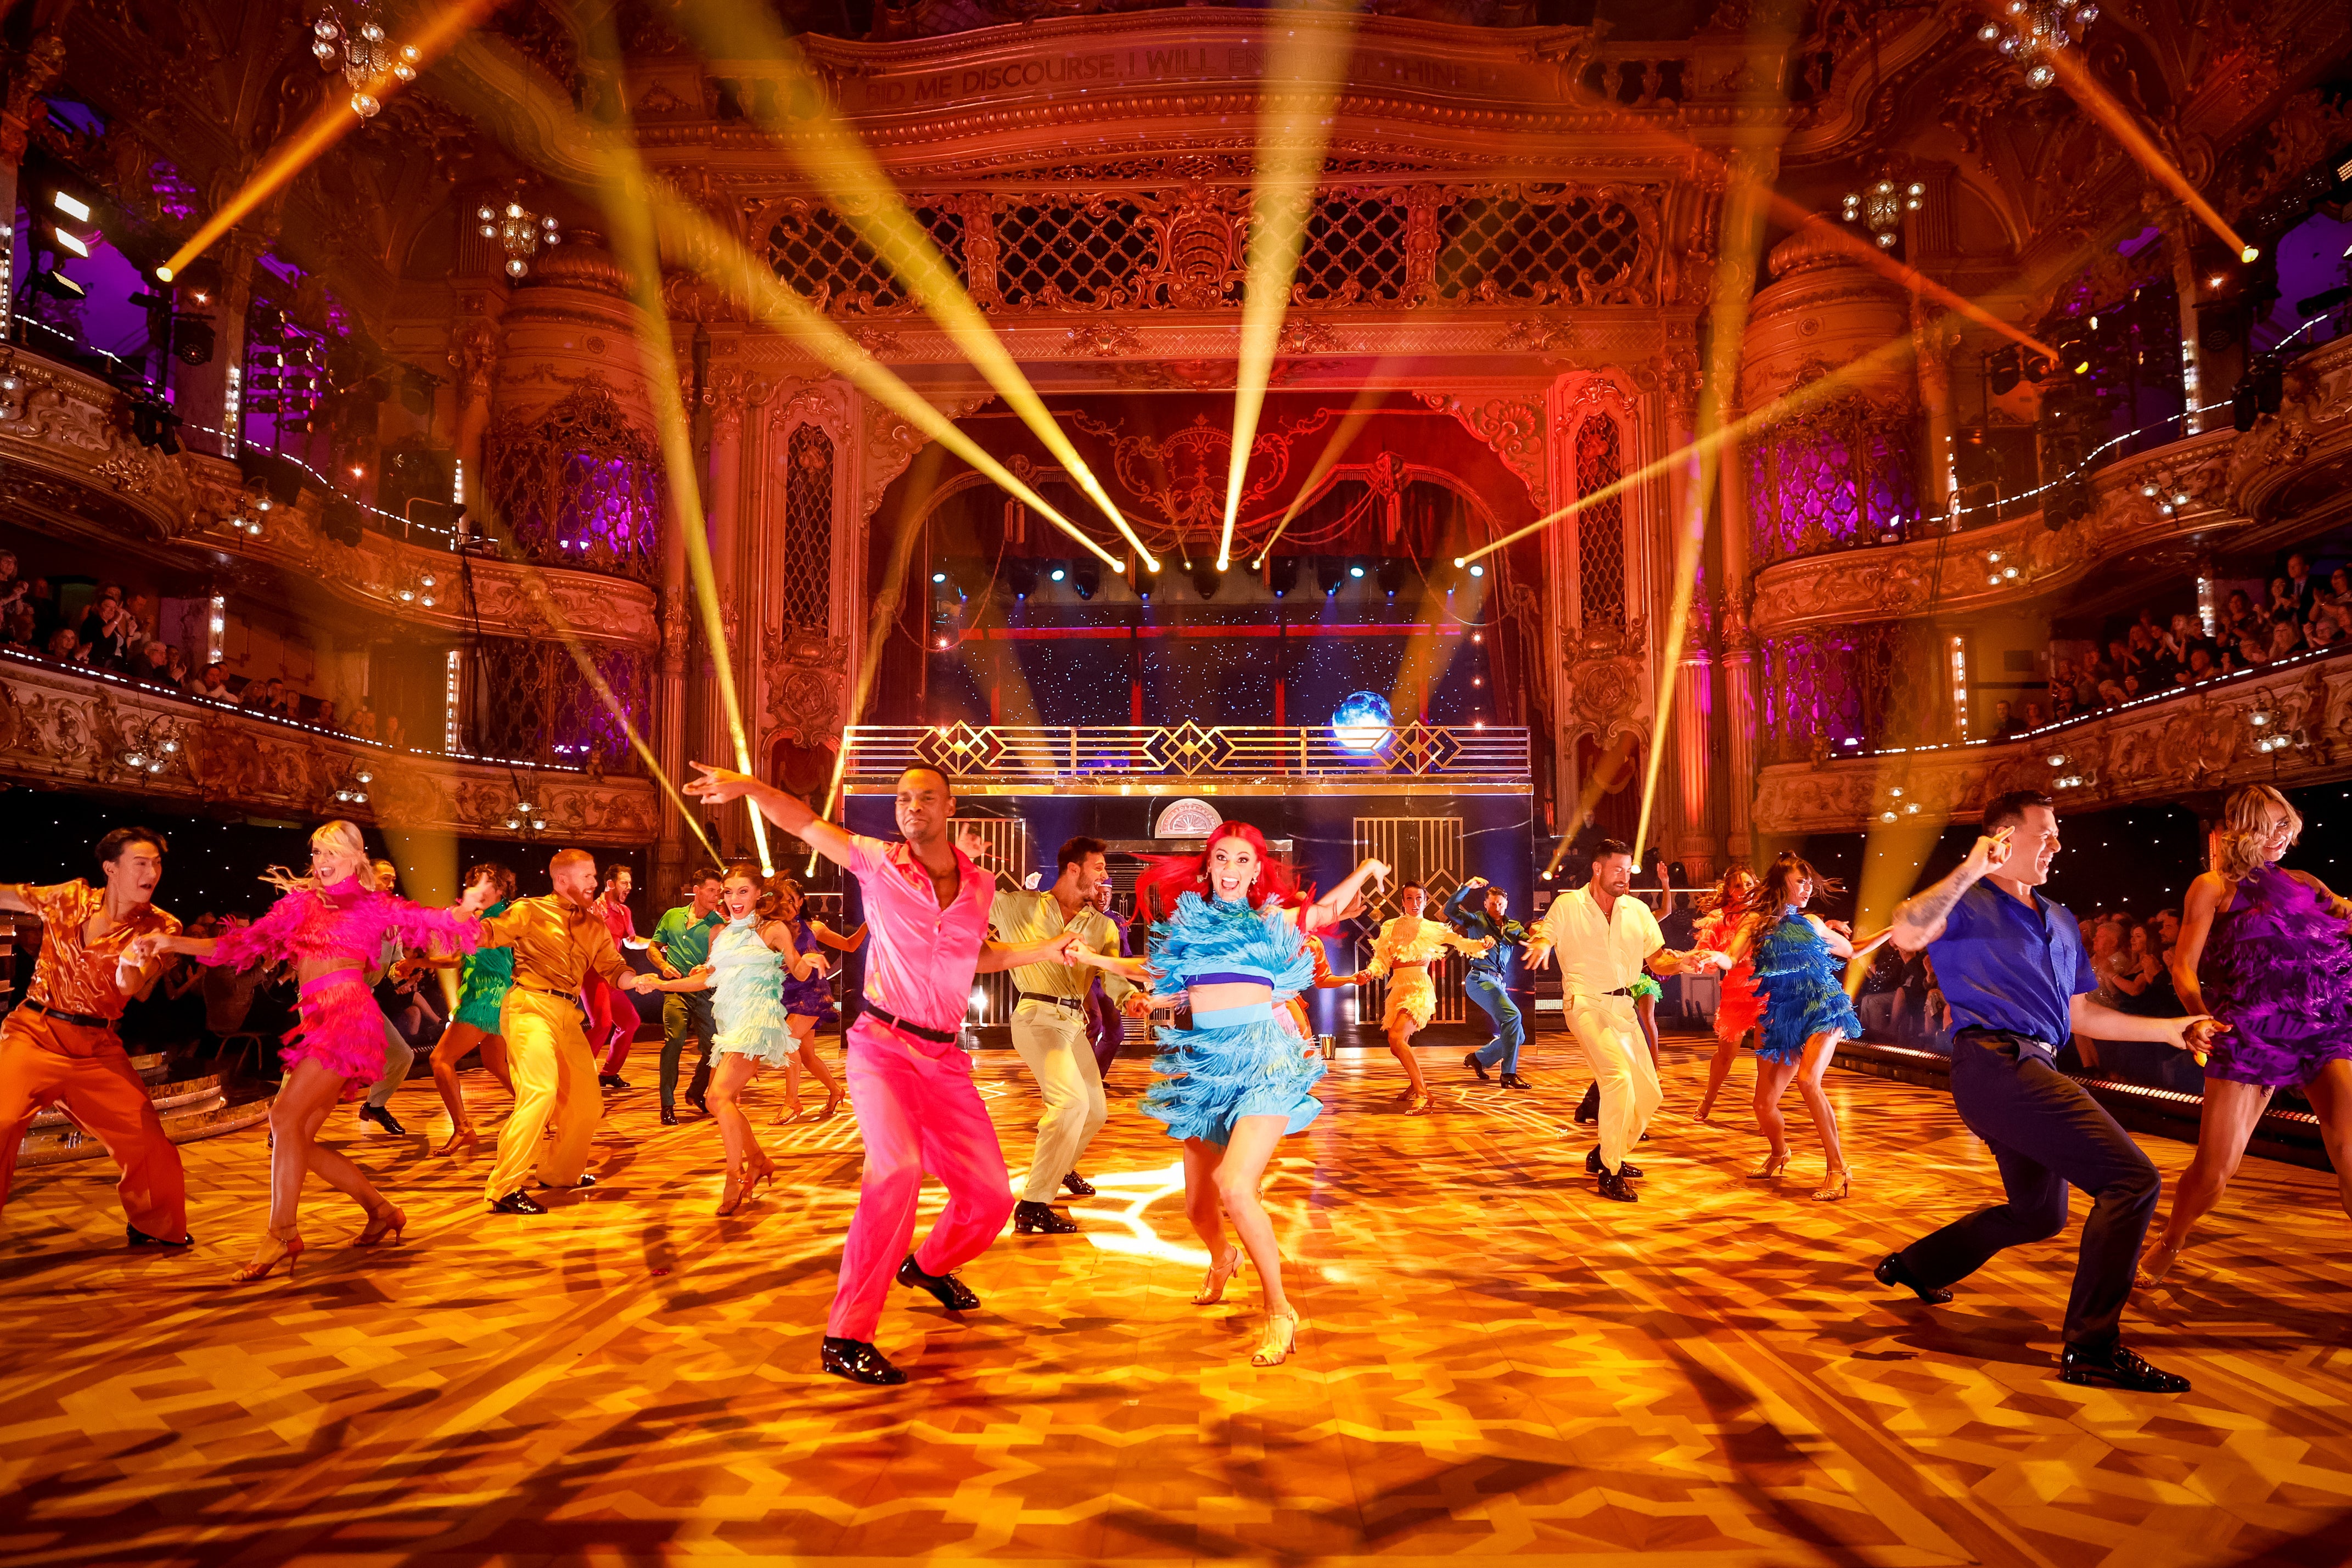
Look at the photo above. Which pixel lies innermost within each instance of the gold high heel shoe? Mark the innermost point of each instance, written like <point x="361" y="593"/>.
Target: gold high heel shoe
<point x="1417" y="1102"/>
<point x="2146" y="1279"/>
<point x="390" y="1220"/>
<point x="1835" y="1186"/>
<point x="764" y="1169"/>
<point x="1212" y="1289"/>
<point x="1771" y="1168"/>
<point x="730" y="1196"/>
<point x="289" y="1247"/>
<point x="1281" y="1339"/>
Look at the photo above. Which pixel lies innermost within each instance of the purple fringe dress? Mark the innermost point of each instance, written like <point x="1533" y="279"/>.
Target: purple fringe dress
<point x="2277" y="969"/>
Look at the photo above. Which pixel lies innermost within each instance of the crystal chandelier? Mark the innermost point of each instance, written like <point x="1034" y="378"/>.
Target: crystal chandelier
<point x="2037" y="29"/>
<point x="363" y="51"/>
<point x="1880" y="206"/>
<point x="520" y="233"/>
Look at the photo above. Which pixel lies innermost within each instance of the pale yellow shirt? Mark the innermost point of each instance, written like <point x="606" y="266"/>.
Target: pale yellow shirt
<point x="1021" y="917"/>
<point x="1599" y="953"/>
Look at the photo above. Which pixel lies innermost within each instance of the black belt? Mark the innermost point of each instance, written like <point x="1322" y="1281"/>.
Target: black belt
<point x="937" y="1036"/>
<point x="2017" y="1035"/>
<point x="87" y="1020"/>
<point x="1074" y="1004"/>
<point x="547" y="991"/>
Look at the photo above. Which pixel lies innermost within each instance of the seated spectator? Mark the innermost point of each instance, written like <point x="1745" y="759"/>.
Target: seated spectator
<point x="11" y="587"/>
<point x="362" y="722"/>
<point x="260" y="696"/>
<point x="288" y="703"/>
<point x="389" y="729"/>
<point x="2110" y="693"/>
<point x="2004" y="723"/>
<point x="2254" y="652"/>
<point x="2036" y="716"/>
<point x="66" y="647"/>
<point x="18" y="630"/>
<point x="104" y="635"/>
<point x="2133" y="689"/>
<point x="153" y="663"/>
<point x="2324" y="632"/>
<point x="2200" y="668"/>
<point x="213" y="684"/>
<point x="2282" y="606"/>
<point x="2287" y="639"/>
<point x="176" y="666"/>
<point x="325" y="718"/>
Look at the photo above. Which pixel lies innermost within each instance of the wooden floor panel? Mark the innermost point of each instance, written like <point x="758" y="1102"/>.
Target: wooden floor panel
<point x="1493" y="1362"/>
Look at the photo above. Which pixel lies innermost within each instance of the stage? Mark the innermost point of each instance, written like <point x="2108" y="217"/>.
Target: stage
<point x="1493" y="1362"/>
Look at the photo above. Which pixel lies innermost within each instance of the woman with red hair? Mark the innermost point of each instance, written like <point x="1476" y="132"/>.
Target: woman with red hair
<point x="1229" y="947"/>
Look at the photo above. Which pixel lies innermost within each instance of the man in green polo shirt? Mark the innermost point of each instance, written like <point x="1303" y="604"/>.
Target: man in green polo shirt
<point x="681" y="941"/>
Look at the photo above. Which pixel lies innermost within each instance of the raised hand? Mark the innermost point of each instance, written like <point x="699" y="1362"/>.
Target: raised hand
<point x="718" y="785"/>
<point x="969" y="841"/>
<point x="1475" y="881"/>
<point x="1990" y="851"/>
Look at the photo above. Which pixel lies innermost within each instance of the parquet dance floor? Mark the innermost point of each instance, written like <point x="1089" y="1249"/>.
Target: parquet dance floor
<point x="1493" y="1362"/>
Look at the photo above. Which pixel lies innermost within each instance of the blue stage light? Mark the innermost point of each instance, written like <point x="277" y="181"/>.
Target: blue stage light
<point x="1057" y="574"/>
<point x="1477" y="570"/>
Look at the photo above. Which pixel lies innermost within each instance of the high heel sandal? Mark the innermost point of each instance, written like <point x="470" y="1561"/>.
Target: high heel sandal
<point x="764" y="1171"/>
<point x="1212" y="1289"/>
<point x="466" y="1135"/>
<point x="1771" y="1168"/>
<point x="730" y="1196"/>
<point x="1281" y="1339"/>
<point x="832" y="1105"/>
<point x="2146" y="1279"/>
<point x="1835" y="1188"/>
<point x="388" y="1221"/>
<point x="289" y="1247"/>
<point x="1417" y="1102"/>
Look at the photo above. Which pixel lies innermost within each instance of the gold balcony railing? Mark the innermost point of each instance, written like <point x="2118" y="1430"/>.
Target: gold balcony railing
<point x="1211" y="758"/>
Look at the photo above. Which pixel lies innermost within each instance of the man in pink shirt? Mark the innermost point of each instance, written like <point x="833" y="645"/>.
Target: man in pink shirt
<point x="909" y="1081"/>
<point x="613" y="1018"/>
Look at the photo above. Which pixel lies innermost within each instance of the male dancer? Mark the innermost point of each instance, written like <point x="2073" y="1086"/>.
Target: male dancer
<point x="682" y="942"/>
<point x="612" y="1016"/>
<point x="58" y="1047"/>
<point x="399" y="1055"/>
<point x="558" y="940"/>
<point x="910" y="1082"/>
<point x="1604" y="937"/>
<point x="2014" y="975"/>
<point x="1106" y="1019"/>
<point x="1049" y="1024"/>
<point x="1481" y="911"/>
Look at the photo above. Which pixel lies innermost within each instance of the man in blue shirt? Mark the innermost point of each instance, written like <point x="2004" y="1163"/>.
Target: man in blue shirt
<point x="2013" y="971"/>
<point x="1478" y="911"/>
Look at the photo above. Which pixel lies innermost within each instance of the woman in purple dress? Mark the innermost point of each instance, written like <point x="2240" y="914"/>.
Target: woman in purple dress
<point x="808" y="1003"/>
<point x="2266" y="952"/>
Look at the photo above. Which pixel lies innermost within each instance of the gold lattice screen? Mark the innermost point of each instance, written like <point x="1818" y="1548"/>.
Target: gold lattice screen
<point x="1008" y="847"/>
<point x="1426" y="850"/>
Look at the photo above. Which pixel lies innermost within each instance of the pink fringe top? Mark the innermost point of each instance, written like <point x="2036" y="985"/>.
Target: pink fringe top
<point x="345" y="926"/>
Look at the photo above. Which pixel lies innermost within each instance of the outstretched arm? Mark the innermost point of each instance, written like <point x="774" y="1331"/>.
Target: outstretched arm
<point x="1066" y="948"/>
<point x="1325" y="911"/>
<point x="718" y="785"/>
<point x="1919" y="919"/>
<point x="839" y="944"/>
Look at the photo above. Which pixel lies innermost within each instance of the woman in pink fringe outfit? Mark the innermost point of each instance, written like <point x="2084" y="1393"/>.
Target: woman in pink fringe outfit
<point x="333" y="924"/>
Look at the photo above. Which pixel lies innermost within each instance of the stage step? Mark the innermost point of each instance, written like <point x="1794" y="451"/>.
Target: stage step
<point x="191" y="1108"/>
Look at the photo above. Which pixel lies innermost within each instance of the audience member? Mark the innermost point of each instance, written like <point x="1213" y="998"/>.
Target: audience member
<point x="213" y="684"/>
<point x="104" y="635"/>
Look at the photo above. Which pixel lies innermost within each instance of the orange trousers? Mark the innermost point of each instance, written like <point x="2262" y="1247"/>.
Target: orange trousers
<point x="45" y="1062"/>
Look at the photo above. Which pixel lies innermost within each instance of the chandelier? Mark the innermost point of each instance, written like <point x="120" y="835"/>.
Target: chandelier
<point x="1880" y="206"/>
<point x="2037" y="29"/>
<point x="363" y="51"/>
<point x="520" y="233"/>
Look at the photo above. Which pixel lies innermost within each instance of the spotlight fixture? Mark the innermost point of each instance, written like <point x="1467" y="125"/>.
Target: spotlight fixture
<point x="1282" y="574"/>
<point x="1021" y="576"/>
<point x="1329" y="574"/>
<point x="1086" y="576"/>
<point x="1206" y="579"/>
<point x="1057" y="573"/>
<point x="1355" y="569"/>
<point x="1391" y="576"/>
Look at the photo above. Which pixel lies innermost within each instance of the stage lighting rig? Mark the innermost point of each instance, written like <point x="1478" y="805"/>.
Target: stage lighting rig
<point x="1392" y="576"/>
<point x="1331" y="571"/>
<point x="1282" y="575"/>
<point x="1086" y="576"/>
<point x="1021" y="576"/>
<point x="1206" y="579"/>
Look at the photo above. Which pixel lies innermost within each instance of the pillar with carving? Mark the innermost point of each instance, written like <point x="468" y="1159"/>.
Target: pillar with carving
<point x="1692" y="721"/>
<point x="1738" y="250"/>
<point x="1932" y="346"/>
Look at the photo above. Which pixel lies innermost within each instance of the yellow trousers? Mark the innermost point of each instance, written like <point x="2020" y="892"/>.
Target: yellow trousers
<point x="554" y="1077"/>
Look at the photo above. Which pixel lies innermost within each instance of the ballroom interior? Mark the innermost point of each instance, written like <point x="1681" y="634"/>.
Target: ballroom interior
<point x="1456" y="433"/>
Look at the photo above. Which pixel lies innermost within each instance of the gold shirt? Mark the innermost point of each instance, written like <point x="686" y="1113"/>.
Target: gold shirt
<point x="555" y="944"/>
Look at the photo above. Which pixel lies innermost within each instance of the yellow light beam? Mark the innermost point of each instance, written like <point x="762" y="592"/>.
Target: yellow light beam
<point x="1307" y="60"/>
<point x="1359" y="413"/>
<point x="2084" y="90"/>
<point x="864" y="195"/>
<point x="334" y="121"/>
<point x="721" y="257"/>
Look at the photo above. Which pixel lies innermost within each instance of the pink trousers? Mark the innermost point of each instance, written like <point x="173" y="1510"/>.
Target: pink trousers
<point x="918" y="1111"/>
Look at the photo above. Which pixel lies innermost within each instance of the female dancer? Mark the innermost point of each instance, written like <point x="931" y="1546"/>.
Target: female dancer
<point x="745" y="976"/>
<point x="1739" y="1009"/>
<point x="333" y="924"/>
<point x="1236" y="1075"/>
<point x="483" y="978"/>
<point x="808" y="1002"/>
<point x="1404" y="949"/>
<point x="1806" y="1011"/>
<point x="2264" y="951"/>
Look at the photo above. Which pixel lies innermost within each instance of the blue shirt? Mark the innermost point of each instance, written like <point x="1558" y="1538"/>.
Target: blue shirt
<point x="1475" y="922"/>
<point x="2003" y="966"/>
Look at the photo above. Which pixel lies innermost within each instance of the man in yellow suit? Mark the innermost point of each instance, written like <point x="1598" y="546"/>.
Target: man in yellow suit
<point x="558" y="939"/>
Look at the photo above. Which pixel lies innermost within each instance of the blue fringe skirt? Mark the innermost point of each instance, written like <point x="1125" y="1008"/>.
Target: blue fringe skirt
<point x="1236" y="1062"/>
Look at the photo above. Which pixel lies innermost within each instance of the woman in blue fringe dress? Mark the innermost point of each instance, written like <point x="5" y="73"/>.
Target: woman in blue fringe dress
<point x="1229" y="947"/>
<point x="1800" y="968"/>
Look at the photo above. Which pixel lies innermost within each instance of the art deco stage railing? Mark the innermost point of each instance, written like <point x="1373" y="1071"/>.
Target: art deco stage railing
<point x="2288" y="725"/>
<point x="63" y="728"/>
<point x="1238" y="760"/>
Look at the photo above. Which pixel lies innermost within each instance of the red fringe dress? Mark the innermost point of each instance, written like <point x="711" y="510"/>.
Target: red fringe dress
<point x="337" y="1020"/>
<point x="1741" y="1008"/>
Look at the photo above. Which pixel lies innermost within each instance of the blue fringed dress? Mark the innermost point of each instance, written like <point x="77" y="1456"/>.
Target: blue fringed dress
<point x="1803" y="987"/>
<point x="1237" y="1061"/>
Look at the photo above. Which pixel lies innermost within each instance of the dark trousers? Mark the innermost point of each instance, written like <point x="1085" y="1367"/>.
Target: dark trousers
<point x="1105" y="1030"/>
<point x="684" y="1013"/>
<point x="2046" y="1134"/>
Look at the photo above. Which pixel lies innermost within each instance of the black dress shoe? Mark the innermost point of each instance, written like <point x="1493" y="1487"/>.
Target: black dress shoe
<point x="1040" y="1219"/>
<point x="701" y="1108"/>
<point x="585" y="1180"/>
<point x="1512" y="1081"/>
<point x="2118" y="1365"/>
<point x="518" y="1202"/>
<point x="1078" y="1185"/>
<point x="1613" y="1187"/>
<point x="1892" y="1272"/>
<point x="1479" y="1067"/>
<point x="952" y="1293"/>
<point x="1588" y="1110"/>
<point x="858" y="1362"/>
<point x="138" y="1238"/>
<point x="383" y="1118"/>
<point x="668" y="1117"/>
<point x="1625" y="1168"/>
<point x="610" y="1081"/>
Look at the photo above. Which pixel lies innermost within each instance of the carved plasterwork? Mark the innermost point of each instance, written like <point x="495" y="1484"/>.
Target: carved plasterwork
<point x="75" y="429"/>
<point x="807" y="678"/>
<point x="892" y="441"/>
<point x="59" y="727"/>
<point x="2200" y="741"/>
<point x="1512" y="427"/>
